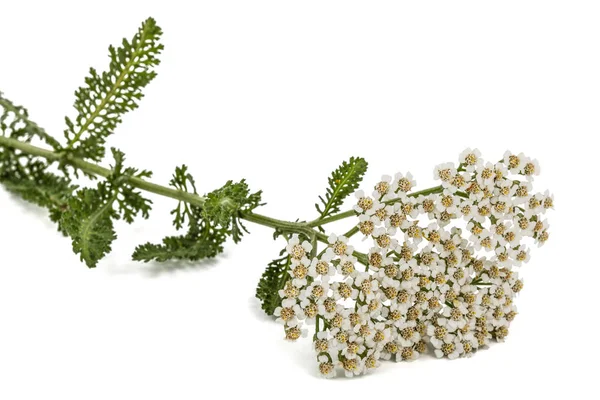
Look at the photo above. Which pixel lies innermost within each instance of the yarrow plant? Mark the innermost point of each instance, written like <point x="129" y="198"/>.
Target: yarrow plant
<point x="440" y="273"/>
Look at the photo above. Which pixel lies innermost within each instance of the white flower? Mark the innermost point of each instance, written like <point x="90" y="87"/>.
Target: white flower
<point x="352" y="366"/>
<point x="451" y="348"/>
<point x="299" y="271"/>
<point x="340" y="337"/>
<point x="296" y="249"/>
<point x="486" y="241"/>
<point x="466" y="208"/>
<point x="504" y="190"/>
<point x="329" y="308"/>
<point x="317" y="291"/>
<point x="448" y="202"/>
<point x="403" y="183"/>
<point x="326" y="367"/>
<point x="383" y="187"/>
<point x="290" y="290"/>
<point x="380" y="336"/>
<point x="371" y="361"/>
<point x="470" y="159"/>
<point x="364" y="204"/>
<point x="347" y="266"/>
<point x="339" y="245"/>
<point x="485" y="174"/>
<point x="353" y="346"/>
<point x="438" y="334"/>
<point x="367" y="224"/>
<point x="511" y="236"/>
<point x="344" y="290"/>
<point x="531" y="168"/>
<point x="367" y="285"/>
<point x="381" y="213"/>
<point x="293" y="333"/>
<point x="384" y="237"/>
<point x="548" y="201"/>
<point x="407" y="334"/>
<point x="374" y="305"/>
<point x="514" y="163"/>
<point x="444" y="172"/>
<point x="321" y="267"/>
<point x="520" y="255"/>
<point x="289" y="313"/>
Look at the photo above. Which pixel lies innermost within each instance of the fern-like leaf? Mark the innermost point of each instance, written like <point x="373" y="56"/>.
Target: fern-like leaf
<point x="208" y="227"/>
<point x="23" y="174"/>
<point x="15" y="124"/>
<point x="184" y="181"/>
<point x="89" y="214"/>
<point x="273" y="279"/>
<point x="43" y="189"/>
<point x="342" y="182"/>
<point x="89" y="223"/>
<point x="205" y="242"/>
<point x="106" y="96"/>
<point x="222" y="206"/>
<point x="130" y="202"/>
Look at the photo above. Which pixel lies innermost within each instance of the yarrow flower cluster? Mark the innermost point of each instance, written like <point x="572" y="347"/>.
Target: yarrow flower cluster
<point x="441" y="274"/>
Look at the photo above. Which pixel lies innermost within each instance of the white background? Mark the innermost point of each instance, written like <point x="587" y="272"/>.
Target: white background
<point x="280" y="93"/>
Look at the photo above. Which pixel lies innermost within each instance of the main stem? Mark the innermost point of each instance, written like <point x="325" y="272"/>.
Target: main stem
<point x="305" y="228"/>
<point x="190" y="198"/>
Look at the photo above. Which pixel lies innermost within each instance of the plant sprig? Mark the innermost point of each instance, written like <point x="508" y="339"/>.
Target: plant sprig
<point x="47" y="176"/>
<point x="418" y="285"/>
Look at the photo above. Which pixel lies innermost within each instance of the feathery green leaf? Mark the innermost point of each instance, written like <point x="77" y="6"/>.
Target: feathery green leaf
<point x="342" y="182"/>
<point x="184" y="181"/>
<point x="88" y="217"/>
<point x="15" y="124"/>
<point x="104" y="99"/>
<point x="130" y="202"/>
<point x="204" y="242"/>
<point x="222" y="206"/>
<point x="25" y="175"/>
<point x="89" y="222"/>
<point x="273" y="279"/>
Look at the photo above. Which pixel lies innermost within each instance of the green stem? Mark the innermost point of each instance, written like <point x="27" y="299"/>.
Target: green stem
<point x="351" y="232"/>
<point x="333" y="218"/>
<point x="97" y="170"/>
<point x="424" y="192"/>
<point x="190" y="198"/>
<point x="351" y="213"/>
<point x="284" y="226"/>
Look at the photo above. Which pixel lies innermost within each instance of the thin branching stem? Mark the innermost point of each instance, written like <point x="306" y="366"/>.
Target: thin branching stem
<point x="190" y="198"/>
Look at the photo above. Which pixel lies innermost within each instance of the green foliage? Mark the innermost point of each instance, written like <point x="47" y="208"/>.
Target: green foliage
<point x="107" y="96"/>
<point x="273" y="279"/>
<point x="89" y="222"/>
<point x="15" y="124"/>
<point x="130" y="202"/>
<point x="209" y="226"/>
<point x="223" y="206"/>
<point x="43" y="189"/>
<point x="342" y="182"/>
<point x="201" y="241"/>
<point x="23" y="174"/>
<point x="89" y="214"/>
<point x="184" y="181"/>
